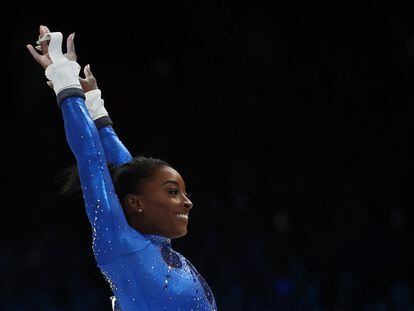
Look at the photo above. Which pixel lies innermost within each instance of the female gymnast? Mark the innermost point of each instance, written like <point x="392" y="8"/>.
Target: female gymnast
<point x="135" y="213"/>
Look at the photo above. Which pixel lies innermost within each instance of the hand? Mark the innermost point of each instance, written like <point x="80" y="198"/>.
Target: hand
<point x="43" y="59"/>
<point x="88" y="83"/>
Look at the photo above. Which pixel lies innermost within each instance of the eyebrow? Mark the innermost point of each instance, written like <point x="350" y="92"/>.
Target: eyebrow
<point x="170" y="182"/>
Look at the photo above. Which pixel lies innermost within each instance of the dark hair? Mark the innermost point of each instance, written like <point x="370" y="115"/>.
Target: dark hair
<point x="130" y="177"/>
<point x="127" y="178"/>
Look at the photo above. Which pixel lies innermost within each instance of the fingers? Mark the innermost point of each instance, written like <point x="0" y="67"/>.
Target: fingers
<point x="87" y="71"/>
<point x="44" y="44"/>
<point x="89" y="82"/>
<point x="32" y="51"/>
<point x="70" y="47"/>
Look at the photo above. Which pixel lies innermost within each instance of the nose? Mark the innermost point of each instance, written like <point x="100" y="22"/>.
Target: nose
<point x="188" y="204"/>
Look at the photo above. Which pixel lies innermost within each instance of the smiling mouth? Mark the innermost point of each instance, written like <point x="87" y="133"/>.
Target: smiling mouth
<point x="182" y="216"/>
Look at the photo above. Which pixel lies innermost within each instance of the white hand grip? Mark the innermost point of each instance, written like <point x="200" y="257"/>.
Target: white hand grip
<point x="55" y="46"/>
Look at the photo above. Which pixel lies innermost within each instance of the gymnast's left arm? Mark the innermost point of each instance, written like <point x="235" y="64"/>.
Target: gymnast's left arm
<point x="115" y="151"/>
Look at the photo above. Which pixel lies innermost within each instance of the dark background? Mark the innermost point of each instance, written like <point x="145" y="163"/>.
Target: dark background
<point x="291" y="125"/>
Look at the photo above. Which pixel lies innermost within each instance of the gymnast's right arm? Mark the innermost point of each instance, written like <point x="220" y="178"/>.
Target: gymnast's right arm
<point x="112" y="237"/>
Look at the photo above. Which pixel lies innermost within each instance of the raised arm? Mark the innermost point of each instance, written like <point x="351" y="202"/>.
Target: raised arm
<point x="115" y="151"/>
<point x="112" y="237"/>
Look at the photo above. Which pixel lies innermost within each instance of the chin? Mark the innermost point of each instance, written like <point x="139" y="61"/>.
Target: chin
<point x="179" y="234"/>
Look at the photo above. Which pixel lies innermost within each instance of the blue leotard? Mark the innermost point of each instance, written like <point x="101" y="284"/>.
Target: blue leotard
<point x="143" y="271"/>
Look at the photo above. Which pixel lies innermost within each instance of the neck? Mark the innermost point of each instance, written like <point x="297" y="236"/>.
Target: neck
<point x="158" y="239"/>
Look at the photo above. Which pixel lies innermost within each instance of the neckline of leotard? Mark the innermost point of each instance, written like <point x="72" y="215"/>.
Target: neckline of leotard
<point x="159" y="240"/>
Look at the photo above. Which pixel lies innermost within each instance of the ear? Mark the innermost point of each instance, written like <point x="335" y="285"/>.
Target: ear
<point x="133" y="201"/>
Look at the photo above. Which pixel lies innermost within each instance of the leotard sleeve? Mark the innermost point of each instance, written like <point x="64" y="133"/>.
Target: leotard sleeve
<point x="115" y="151"/>
<point x="112" y="236"/>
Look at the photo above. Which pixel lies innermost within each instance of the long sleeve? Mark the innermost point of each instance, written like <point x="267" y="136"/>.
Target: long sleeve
<point x="112" y="236"/>
<point x="115" y="151"/>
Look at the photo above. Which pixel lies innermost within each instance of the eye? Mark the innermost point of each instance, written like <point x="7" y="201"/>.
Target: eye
<point x="173" y="191"/>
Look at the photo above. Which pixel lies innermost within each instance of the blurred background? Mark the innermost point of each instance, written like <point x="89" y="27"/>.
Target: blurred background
<point x="291" y="125"/>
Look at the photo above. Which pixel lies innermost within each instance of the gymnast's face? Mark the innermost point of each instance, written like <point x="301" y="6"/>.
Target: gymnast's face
<point x="164" y="204"/>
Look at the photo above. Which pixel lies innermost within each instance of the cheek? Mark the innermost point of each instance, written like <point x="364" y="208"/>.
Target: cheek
<point x="169" y="206"/>
<point x="162" y="205"/>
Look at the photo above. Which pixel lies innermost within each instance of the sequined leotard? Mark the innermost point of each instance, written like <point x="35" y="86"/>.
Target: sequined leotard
<point x="144" y="272"/>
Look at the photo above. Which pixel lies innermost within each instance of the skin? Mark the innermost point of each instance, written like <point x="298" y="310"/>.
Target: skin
<point x="154" y="209"/>
<point x="160" y="199"/>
